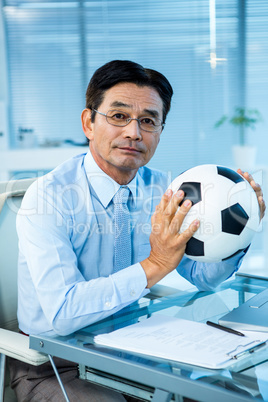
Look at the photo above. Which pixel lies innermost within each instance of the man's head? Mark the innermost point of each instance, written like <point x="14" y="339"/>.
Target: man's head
<point x="120" y="71"/>
<point x="124" y="116"/>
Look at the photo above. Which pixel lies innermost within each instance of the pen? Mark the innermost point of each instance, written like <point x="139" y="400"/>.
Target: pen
<point x="226" y="329"/>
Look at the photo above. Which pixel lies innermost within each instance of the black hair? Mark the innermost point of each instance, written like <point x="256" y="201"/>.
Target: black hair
<point x="119" y="71"/>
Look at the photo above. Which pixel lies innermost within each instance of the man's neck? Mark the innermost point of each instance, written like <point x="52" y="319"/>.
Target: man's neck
<point x="121" y="176"/>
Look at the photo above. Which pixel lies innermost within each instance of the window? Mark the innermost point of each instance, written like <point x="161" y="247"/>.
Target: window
<point x="55" y="46"/>
<point x="214" y="52"/>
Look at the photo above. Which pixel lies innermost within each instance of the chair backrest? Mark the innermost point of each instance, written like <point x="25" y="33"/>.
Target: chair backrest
<point x="11" y="194"/>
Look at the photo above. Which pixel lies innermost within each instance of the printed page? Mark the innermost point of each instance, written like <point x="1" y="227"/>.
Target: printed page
<point x="181" y="340"/>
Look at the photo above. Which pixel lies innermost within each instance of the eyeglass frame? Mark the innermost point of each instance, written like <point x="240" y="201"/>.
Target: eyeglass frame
<point x="161" y="125"/>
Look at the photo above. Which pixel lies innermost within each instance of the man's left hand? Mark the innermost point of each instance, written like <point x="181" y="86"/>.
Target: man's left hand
<point x="257" y="188"/>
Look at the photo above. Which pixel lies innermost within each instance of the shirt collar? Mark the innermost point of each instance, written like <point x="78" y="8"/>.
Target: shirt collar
<point x="103" y="185"/>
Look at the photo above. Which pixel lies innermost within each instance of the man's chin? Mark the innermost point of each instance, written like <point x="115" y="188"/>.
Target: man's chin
<point x="131" y="166"/>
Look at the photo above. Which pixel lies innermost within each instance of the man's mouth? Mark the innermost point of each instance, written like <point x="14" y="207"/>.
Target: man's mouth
<point x="130" y="149"/>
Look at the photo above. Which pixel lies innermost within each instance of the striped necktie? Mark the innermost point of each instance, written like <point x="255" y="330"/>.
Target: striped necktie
<point x="122" y="240"/>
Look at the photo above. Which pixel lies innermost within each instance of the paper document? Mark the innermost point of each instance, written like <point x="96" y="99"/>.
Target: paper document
<point x="183" y="341"/>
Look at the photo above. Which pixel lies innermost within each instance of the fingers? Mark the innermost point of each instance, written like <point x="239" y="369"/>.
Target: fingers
<point x="171" y="212"/>
<point x="262" y="206"/>
<point x="168" y="207"/>
<point x="256" y="187"/>
<point x="249" y="178"/>
<point x="188" y="233"/>
<point x="169" y="203"/>
<point x="258" y="190"/>
<point x="178" y="218"/>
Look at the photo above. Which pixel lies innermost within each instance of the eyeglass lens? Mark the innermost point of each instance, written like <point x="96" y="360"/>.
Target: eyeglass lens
<point x="120" y="118"/>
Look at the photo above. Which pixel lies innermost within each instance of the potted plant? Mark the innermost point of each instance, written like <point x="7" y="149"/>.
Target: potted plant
<point x="243" y="119"/>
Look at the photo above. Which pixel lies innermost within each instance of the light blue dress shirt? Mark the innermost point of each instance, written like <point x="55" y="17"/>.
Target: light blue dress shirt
<point x="66" y="248"/>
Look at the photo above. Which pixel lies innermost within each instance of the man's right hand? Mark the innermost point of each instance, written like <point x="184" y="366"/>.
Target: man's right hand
<point x="167" y="244"/>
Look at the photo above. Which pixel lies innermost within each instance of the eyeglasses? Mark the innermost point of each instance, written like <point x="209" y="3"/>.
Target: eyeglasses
<point x="121" y="119"/>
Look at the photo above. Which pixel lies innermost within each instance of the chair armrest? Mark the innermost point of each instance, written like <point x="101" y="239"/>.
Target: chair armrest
<point x="16" y="345"/>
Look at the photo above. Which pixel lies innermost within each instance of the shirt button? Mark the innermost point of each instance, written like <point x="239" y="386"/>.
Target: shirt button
<point x="107" y="304"/>
<point x="132" y="292"/>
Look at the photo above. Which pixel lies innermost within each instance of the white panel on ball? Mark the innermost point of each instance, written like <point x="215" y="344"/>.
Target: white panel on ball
<point x="227" y="208"/>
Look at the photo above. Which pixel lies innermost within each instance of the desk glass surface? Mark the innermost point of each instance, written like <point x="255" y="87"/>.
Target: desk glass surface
<point x="244" y="379"/>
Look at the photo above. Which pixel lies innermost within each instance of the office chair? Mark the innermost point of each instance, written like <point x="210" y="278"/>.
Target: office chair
<point x="12" y="343"/>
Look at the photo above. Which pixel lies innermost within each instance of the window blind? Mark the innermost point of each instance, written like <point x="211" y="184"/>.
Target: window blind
<point x="55" y="46"/>
<point x="257" y="73"/>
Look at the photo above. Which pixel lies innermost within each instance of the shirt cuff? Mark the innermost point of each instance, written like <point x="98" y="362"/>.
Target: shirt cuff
<point x="131" y="283"/>
<point x="237" y="258"/>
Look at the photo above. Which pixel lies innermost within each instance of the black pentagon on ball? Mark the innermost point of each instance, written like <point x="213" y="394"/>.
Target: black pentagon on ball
<point x="229" y="174"/>
<point x="195" y="247"/>
<point x="232" y="255"/>
<point x="234" y="219"/>
<point x="236" y="253"/>
<point x="192" y="191"/>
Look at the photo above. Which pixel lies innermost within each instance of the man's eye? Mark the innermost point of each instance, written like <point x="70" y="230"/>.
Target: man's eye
<point x="148" y="121"/>
<point x="119" y="116"/>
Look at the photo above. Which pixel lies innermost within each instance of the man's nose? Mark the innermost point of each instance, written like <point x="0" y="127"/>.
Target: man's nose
<point x="132" y="130"/>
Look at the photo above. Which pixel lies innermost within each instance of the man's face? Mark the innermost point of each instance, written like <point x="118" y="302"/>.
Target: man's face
<point x="120" y="151"/>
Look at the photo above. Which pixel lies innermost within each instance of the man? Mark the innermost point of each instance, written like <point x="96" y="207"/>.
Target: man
<point x="70" y="272"/>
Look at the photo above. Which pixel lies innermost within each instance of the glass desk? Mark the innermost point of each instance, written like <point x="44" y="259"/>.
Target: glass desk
<point x="156" y="379"/>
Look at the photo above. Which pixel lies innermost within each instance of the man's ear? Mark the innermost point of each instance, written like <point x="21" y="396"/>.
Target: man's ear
<point x="86" y="123"/>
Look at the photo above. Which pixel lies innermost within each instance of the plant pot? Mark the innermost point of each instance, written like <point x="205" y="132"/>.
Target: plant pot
<point x="244" y="157"/>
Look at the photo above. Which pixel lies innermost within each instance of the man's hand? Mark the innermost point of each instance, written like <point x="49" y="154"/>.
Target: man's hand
<point x="257" y="188"/>
<point x="167" y="244"/>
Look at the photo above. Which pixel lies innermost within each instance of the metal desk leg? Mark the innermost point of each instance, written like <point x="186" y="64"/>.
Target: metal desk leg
<point x="2" y="376"/>
<point x="161" y="396"/>
<point x="58" y="378"/>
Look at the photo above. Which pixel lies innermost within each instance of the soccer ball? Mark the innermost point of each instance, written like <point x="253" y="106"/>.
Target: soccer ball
<point x="227" y="208"/>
